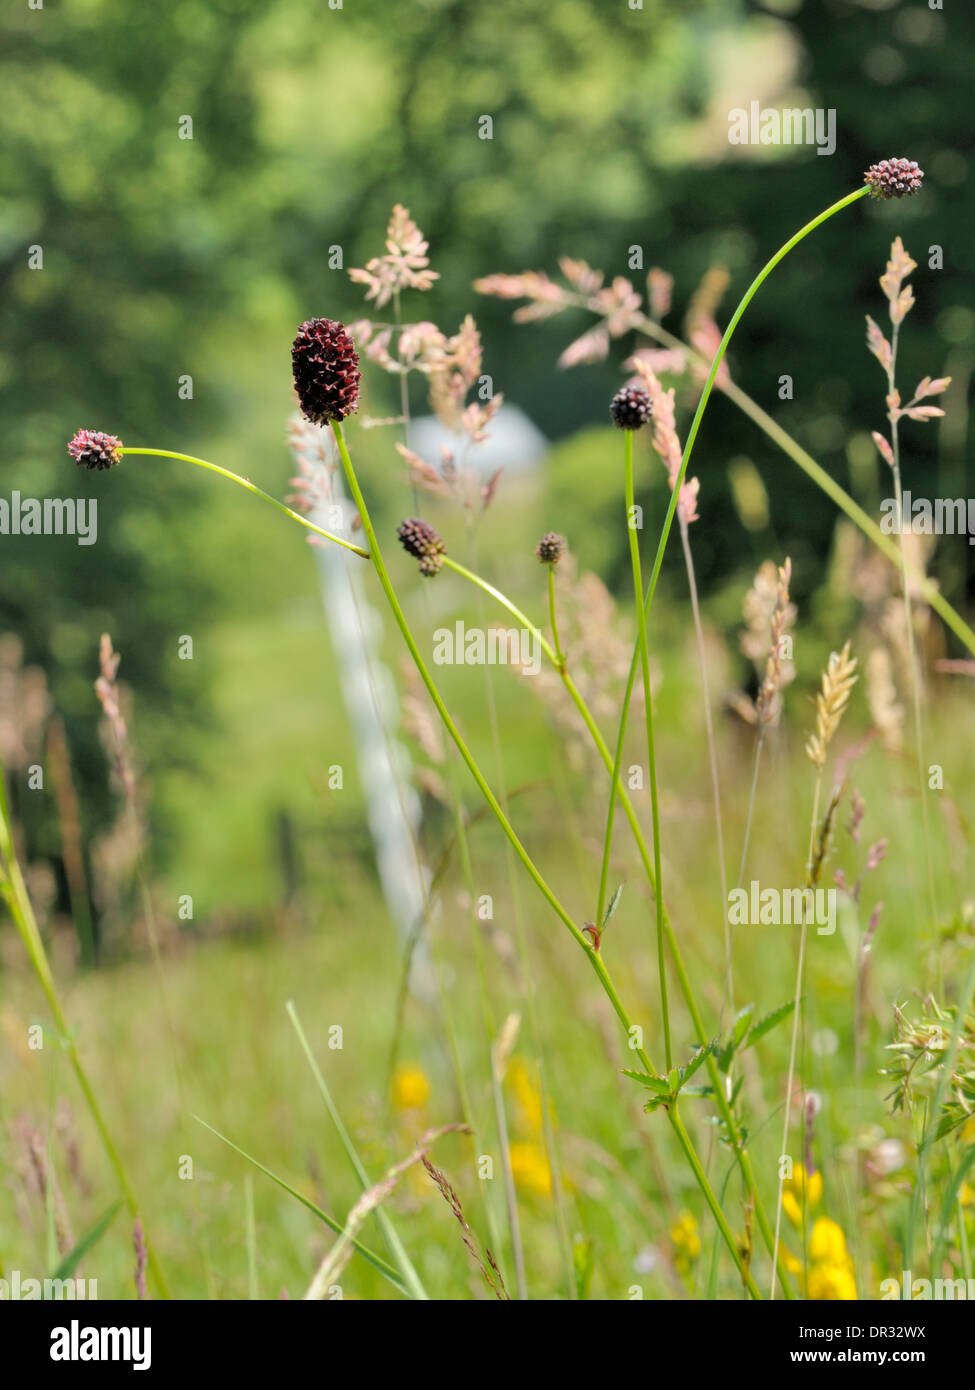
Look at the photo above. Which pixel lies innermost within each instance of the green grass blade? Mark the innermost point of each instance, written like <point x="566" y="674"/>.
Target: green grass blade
<point x="377" y="1261"/>
<point x="91" y="1238"/>
<point x="393" y="1242"/>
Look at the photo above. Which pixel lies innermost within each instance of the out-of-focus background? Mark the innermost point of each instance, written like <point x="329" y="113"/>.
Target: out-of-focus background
<point x="166" y="258"/>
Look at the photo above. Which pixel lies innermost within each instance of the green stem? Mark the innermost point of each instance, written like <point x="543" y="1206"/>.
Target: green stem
<point x="13" y="890"/>
<point x="800" y="967"/>
<point x="593" y="956"/>
<point x="454" y="732"/>
<point x="736" y="317"/>
<point x="395" y="1246"/>
<point x="909" y="628"/>
<point x="246" y="483"/>
<point x="717" y="1081"/>
<point x="712" y="1200"/>
<point x="651" y="754"/>
<point x="553" y="620"/>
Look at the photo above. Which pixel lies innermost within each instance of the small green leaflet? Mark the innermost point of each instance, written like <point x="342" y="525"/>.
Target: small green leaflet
<point x="614" y="903"/>
<point x="657" y="1084"/>
<point x="766" y="1024"/>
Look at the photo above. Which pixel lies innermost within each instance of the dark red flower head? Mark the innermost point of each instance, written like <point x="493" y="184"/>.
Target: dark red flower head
<point x="631" y="408"/>
<point x="894" y="178"/>
<point x="93" y="449"/>
<point x="326" y="371"/>
<point x="550" y="548"/>
<point x="418" y="538"/>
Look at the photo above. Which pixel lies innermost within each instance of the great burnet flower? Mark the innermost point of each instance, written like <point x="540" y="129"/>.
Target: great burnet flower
<point x="326" y="371"/>
<point x="550" y="548"/>
<point x="94" y="449"/>
<point x="894" y="178"/>
<point x="630" y="408"/>
<point x="418" y="538"/>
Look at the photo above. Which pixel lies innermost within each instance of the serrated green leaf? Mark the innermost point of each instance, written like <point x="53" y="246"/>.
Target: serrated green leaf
<point x="766" y="1024"/>
<point x="653" y="1083"/>
<point x="656" y="1102"/>
<point x="742" y="1023"/>
<point x="696" y="1061"/>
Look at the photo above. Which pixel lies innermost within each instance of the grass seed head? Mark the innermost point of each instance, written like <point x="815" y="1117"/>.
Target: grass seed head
<point x="838" y="681"/>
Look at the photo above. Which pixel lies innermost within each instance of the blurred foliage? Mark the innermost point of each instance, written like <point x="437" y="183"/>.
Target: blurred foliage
<point x="165" y="256"/>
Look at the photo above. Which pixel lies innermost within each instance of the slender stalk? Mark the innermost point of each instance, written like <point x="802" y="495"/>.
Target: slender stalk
<point x="13" y="890"/>
<point x="909" y="629"/>
<point x="250" y="1235"/>
<point x="593" y="956"/>
<point x="817" y="474"/>
<point x="246" y="483"/>
<point x="800" y="967"/>
<point x="651" y="752"/>
<point x="717" y="1080"/>
<point x="553" y="619"/>
<point x="528" y="990"/>
<point x="377" y="1261"/>
<point x="728" y="995"/>
<point x="736" y="317"/>
<point x="395" y="1246"/>
<point x="490" y="1032"/>
<point x="701" y="1176"/>
<point x="712" y="752"/>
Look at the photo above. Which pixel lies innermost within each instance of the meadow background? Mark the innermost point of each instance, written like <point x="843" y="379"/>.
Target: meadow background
<point x="165" y="257"/>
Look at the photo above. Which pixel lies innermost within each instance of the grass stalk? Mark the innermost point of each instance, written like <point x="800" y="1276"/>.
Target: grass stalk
<point x="712" y="753"/>
<point x="717" y="1081"/>
<point x="595" y="960"/>
<point x="13" y="890"/>
<point x="395" y="1246"/>
<point x="644" y="650"/>
<point x="909" y="629"/>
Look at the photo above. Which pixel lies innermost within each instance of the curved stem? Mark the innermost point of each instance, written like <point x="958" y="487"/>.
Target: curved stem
<point x="246" y="483"/>
<point x="719" y="1216"/>
<point x="800" y="967"/>
<point x="736" y="317"/>
<point x="742" y="1155"/>
<point x="594" y="957"/>
<point x="553" y="619"/>
<point x="913" y="663"/>
<point x="468" y="757"/>
<point x="651" y="753"/>
<point x="14" y="892"/>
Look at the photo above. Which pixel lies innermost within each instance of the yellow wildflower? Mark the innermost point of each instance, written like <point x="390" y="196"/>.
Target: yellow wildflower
<point x="966" y="1194"/>
<point x="831" y="1272"/>
<point x="793" y="1188"/>
<point x="411" y="1088"/>
<point x="527" y="1095"/>
<point x="530" y="1169"/>
<point x="687" y="1241"/>
<point x="827" y="1242"/>
<point x="832" y="1282"/>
